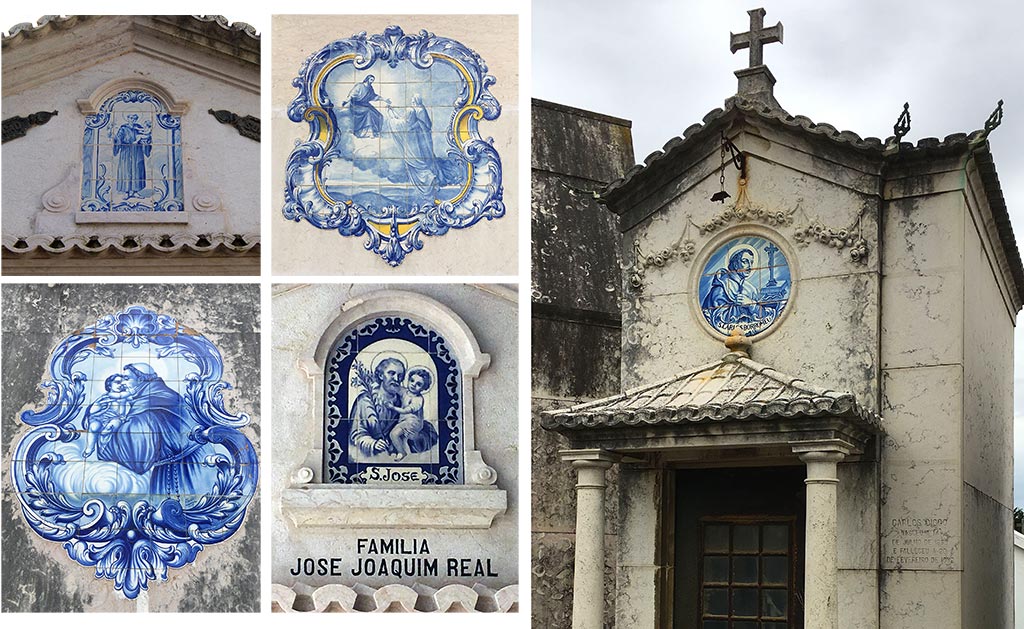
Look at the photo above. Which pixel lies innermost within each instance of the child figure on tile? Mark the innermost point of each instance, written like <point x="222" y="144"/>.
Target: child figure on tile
<point x="106" y="414"/>
<point x="410" y="412"/>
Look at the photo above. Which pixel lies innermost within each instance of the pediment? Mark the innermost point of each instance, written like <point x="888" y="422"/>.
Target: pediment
<point x="61" y="46"/>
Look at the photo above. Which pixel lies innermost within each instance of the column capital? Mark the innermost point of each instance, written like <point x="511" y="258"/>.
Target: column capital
<point x="591" y="457"/>
<point x="825" y="450"/>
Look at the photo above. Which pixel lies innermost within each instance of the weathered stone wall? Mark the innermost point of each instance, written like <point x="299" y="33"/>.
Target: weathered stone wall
<point x="38" y="574"/>
<point x="922" y="400"/>
<point x="575" y="328"/>
<point x="918" y="326"/>
<point x="829" y="337"/>
<point x="987" y="425"/>
<point x="947" y="321"/>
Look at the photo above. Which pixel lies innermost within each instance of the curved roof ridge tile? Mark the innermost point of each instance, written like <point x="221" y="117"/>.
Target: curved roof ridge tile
<point x="223" y="22"/>
<point x="30" y="30"/>
<point x="846" y="137"/>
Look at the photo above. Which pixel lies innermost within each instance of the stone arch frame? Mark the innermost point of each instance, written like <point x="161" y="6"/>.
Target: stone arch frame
<point x="90" y="106"/>
<point x="310" y="501"/>
<point x="96" y="203"/>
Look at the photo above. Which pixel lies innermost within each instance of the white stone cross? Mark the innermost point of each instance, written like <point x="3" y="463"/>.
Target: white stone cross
<point x="756" y="37"/>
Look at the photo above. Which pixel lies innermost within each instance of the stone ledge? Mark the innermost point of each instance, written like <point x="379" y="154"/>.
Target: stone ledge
<point x="431" y="507"/>
<point x="132" y="217"/>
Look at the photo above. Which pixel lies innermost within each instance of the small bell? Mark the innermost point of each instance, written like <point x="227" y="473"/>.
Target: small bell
<point x="720" y="196"/>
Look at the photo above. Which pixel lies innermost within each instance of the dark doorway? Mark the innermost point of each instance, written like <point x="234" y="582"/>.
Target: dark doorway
<point x="739" y="538"/>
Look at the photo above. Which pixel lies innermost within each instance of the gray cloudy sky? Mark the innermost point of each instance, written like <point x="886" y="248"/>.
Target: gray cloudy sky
<point x="665" y="63"/>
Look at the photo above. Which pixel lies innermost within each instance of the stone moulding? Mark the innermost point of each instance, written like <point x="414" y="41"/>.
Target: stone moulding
<point x="395" y="597"/>
<point x="166" y="218"/>
<point x="49" y="23"/>
<point x="61" y="46"/>
<point x="91" y="106"/>
<point x="360" y="506"/>
<point x="309" y="501"/>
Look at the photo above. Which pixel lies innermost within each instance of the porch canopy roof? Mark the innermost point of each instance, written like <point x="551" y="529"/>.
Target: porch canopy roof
<point x="733" y="402"/>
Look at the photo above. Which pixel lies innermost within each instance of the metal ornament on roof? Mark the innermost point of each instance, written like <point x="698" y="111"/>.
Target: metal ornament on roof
<point x="899" y="130"/>
<point x="994" y="120"/>
<point x="135" y="465"/>
<point x="394" y="150"/>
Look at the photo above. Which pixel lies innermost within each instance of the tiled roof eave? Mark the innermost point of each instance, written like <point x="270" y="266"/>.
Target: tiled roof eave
<point x="734" y="389"/>
<point x="737" y="106"/>
<point x="755" y="411"/>
<point x="618" y="192"/>
<point x="54" y="246"/>
<point x="215" y="25"/>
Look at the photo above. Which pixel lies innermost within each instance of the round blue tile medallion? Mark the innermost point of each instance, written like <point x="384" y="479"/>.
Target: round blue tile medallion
<point x="744" y="284"/>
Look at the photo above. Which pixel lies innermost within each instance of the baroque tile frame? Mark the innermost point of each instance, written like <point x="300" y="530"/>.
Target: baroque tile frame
<point x="309" y="501"/>
<point x="93" y="109"/>
<point x="393" y="237"/>
<point x="133" y="544"/>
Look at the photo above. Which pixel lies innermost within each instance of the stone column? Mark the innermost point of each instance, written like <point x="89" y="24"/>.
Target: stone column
<point x="588" y="570"/>
<point x="821" y="570"/>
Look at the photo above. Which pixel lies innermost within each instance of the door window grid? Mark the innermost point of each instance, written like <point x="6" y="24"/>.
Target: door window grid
<point x="746" y="576"/>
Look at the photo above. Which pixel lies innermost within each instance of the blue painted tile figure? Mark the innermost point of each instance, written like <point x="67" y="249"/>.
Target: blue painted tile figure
<point x="394" y="406"/>
<point x="132" y="145"/>
<point x="134" y="464"/>
<point x="394" y="151"/>
<point x="132" y="156"/>
<point x="366" y="120"/>
<point x="142" y="425"/>
<point x="387" y="414"/>
<point x="745" y="284"/>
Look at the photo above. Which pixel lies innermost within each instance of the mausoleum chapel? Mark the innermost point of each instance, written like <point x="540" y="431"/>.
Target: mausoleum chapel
<point x="798" y="411"/>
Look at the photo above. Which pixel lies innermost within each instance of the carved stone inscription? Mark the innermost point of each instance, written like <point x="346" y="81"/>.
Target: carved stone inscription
<point x="918" y="543"/>
<point x="394" y="557"/>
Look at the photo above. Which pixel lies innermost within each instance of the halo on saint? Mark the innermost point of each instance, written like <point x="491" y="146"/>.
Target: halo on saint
<point x="754" y="262"/>
<point x="380" y="357"/>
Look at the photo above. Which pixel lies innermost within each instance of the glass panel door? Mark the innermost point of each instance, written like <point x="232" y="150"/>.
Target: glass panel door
<point x="746" y="578"/>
